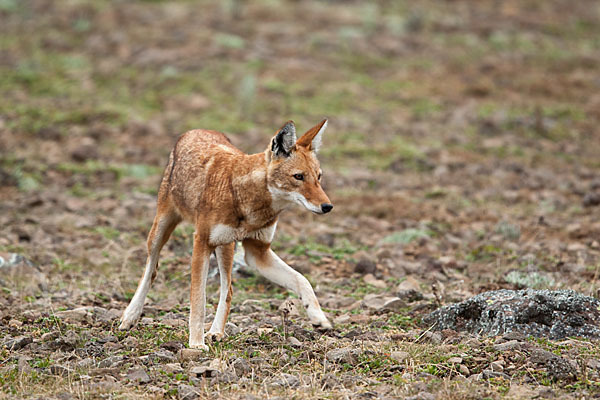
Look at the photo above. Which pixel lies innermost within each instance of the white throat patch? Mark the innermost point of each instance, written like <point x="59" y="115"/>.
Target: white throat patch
<point x="283" y="199"/>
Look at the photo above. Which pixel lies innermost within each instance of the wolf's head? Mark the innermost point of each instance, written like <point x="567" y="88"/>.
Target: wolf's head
<point x="294" y="173"/>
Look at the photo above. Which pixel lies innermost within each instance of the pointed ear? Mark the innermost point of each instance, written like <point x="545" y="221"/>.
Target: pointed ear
<point x="283" y="142"/>
<point x="312" y="138"/>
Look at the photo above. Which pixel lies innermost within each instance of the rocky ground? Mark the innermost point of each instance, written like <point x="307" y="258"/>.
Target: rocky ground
<point x="461" y="156"/>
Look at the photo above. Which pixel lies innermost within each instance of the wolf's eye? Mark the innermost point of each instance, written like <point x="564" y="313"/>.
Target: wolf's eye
<point x="300" y="177"/>
<point x="319" y="177"/>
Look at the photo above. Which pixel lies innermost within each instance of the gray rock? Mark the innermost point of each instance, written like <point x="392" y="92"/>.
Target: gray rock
<point x="190" y="354"/>
<point x="344" y="355"/>
<point x="241" y="366"/>
<point x="162" y="356"/>
<point x="112" y="361"/>
<point x="488" y="374"/>
<point x="23" y="365"/>
<point x="138" y="375"/>
<point x="432" y="337"/>
<point x="399" y="356"/>
<point x="377" y="302"/>
<point x="187" y="392"/>
<point x="540" y="313"/>
<point x="558" y="368"/>
<point x="18" y="342"/>
<point x="174" y="368"/>
<point x="66" y="342"/>
<point x="409" y="295"/>
<point x="510" y="345"/>
<point x="365" y="265"/>
<point x="231" y="329"/>
<point x="77" y="315"/>
<point x="285" y="380"/>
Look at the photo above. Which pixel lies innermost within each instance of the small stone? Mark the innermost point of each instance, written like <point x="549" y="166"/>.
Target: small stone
<point x="286" y="380"/>
<point x="23" y="365"/>
<point x="138" y="375"/>
<point x="488" y="374"/>
<point x="130" y="342"/>
<point x="109" y="339"/>
<point x="399" y="356"/>
<point x="87" y="149"/>
<point x="455" y="360"/>
<point x="162" y="356"/>
<point x="112" y="361"/>
<point x="174" y="368"/>
<point x="594" y="364"/>
<point x="341" y="319"/>
<point x="371" y="280"/>
<point x="190" y="354"/>
<point x="15" y="323"/>
<point x="394" y="304"/>
<point x="264" y="331"/>
<point x="18" y="342"/>
<point x="365" y="264"/>
<point x="409" y="283"/>
<point x="77" y="315"/>
<point x="343" y="355"/>
<point x="241" y="366"/>
<point x="146" y="321"/>
<point x="432" y="337"/>
<point x="294" y="342"/>
<point x="377" y="302"/>
<point x="173" y="346"/>
<point x="231" y="329"/>
<point x="558" y="368"/>
<point x="496" y="366"/>
<point x="104" y="316"/>
<point x="86" y="363"/>
<point x="464" y="370"/>
<point x="506" y="346"/>
<point x="591" y="199"/>
<point x="330" y="381"/>
<point x="187" y="392"/>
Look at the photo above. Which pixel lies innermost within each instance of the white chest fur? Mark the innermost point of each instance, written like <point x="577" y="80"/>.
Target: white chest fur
<point x="223" y="234"/>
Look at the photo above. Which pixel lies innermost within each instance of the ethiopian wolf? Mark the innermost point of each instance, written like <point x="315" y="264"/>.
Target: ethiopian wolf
<point x="231" y="196"/>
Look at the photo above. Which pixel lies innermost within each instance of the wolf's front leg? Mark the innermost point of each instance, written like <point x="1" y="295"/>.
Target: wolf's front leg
<point x="225" y="260"/>
<point x="200" y="260"/>
<point x="260" y="255"/>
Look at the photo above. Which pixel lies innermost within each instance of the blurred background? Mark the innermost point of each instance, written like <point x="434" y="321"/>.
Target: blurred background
<point x="462" y="149"/>
<point x="462" y="153"/>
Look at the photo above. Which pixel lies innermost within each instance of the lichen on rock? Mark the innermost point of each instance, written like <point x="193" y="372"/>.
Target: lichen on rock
<point x="540" y="313"/>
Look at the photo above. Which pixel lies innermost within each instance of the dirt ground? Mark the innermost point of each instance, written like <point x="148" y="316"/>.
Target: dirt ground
<point x="462" y="155"/>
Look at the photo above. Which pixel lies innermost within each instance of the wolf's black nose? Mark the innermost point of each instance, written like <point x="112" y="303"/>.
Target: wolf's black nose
<point x="326" y="207"/>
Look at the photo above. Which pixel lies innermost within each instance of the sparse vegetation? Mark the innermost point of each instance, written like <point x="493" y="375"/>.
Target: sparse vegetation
<point x="461" y="156"/>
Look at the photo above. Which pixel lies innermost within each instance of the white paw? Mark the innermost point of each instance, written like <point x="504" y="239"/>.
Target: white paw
<point x="323" y="324"/>
<point x="212" y="337"/>
<point x="199" y="346"/>
<point x="126" y="324"/>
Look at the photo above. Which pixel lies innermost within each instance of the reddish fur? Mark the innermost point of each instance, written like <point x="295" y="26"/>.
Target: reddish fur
<point x="209" y="182"/>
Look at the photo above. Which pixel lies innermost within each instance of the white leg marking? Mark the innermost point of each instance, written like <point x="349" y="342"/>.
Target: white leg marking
<point x="134" y="309"/>
<point x="198" y="305"/>
<point x="216" y="329"/>
<point x="277" y="271"/>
